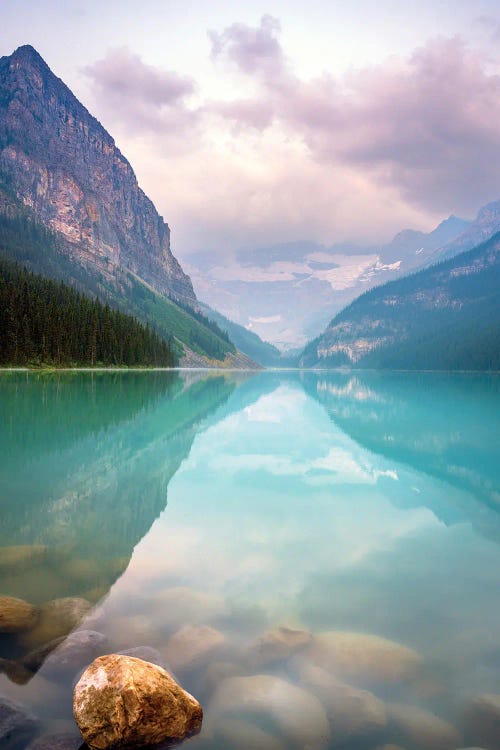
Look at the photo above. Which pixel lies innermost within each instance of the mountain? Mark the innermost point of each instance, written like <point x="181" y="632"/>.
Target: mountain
<point x="444" y="317"/>
<point x="63" y="180"/>
<point x="248" y="342"/>
<point x="288" y="293"/>
<point x="485" y="225"/>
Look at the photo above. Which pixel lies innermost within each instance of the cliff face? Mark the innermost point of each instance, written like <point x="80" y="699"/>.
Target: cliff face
<point x="62" y="163"/>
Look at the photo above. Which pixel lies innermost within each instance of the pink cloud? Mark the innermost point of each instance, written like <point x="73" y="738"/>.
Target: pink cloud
<point x="146" y="97"/>
<point x="254" y="50"/>
<point x="430" y="126"/>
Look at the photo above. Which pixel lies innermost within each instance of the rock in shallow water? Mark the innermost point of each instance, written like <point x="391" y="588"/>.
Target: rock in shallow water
<point x="121" y="701"/>
<point x="278" y="645"/>
<point x="416" y="728"/>
<point x="298" y="715"/>
<point x="364" y="659"/>
<point x="481" y="721"/>
<point x="235" y="734"/>
<point x="17" y="726"/>
<point x="354" y="714"/>
<point x="56" y="618"/>
<point x="16" y="615"/>
<point x="192" y="645"/>
<point x="56" y="742"/>
<point x="74" y="652"/>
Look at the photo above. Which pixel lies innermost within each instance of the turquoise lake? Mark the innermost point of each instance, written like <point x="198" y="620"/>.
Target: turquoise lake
<point x="223" y="506"/>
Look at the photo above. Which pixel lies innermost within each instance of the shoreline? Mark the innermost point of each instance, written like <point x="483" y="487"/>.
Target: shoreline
<point x="341" y="371"/>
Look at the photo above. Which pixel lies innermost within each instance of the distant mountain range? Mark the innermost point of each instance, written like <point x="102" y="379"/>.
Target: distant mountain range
<point x="446" y="316"/>
<point x="288" y="293"/>
<point x="71" y="208"/>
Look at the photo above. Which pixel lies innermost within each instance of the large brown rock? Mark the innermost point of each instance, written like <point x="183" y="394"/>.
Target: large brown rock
<point x="298" y="716"/>
<point x="415" y="727"/>
<point x="16" y="615"/>
<point x="124" y="702"/>
<point x="56" y="619"/>
<point x="481" y="721"/>
<point x="363" y="659"/>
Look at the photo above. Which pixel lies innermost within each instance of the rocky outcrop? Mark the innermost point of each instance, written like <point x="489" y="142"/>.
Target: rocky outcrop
<point x="62" y="163"/>
<point x="121" y="701"/>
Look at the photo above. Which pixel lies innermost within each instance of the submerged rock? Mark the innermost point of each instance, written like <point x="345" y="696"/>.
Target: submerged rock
<point x="191" y="645"/>
<point x="15" y="671"/>
<point x="19" y="557"/>
<point x="416" y="727"/>
<point x="121" y="701"/>
<point x="365" y="659"/>
<point x="75" y="651"/>
<point x="353" y="714"/>
<point x="217" y="671"/>
<point x="481" y="721"/>
<point x="56" y="618"/>
<point x="278" y="645"/>
<point x="298" y="715"/>
<point x="56" y="742"/>
<point x="16" y="615"/>
<point x="235" y="734"/>
<point x="17" y="726"/>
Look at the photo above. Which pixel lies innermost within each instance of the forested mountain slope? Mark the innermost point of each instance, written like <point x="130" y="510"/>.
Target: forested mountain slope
<point x="443" y="317"/>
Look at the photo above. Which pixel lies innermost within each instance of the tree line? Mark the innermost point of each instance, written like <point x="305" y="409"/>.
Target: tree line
<point x="44" y="322"/>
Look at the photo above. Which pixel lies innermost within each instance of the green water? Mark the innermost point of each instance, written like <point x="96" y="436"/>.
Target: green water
<point x="323" y="502"/>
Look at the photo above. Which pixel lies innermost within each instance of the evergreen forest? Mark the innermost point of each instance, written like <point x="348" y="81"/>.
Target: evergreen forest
<point x="46" y="322"/>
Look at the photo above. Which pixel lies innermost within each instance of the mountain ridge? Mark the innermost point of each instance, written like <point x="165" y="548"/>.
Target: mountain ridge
<point x="62" y="162"/>
<point x="446" y="316"/>
<point x="71" y="209"/>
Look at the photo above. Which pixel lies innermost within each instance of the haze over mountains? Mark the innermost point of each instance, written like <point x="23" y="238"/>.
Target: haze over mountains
<point x="288" y="293"/>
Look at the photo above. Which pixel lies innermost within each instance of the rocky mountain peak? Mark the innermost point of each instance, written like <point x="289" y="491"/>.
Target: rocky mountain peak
<point x="63" y="165"/>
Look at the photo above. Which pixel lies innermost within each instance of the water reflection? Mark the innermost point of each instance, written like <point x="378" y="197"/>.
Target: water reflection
<point x="308" y="576"/>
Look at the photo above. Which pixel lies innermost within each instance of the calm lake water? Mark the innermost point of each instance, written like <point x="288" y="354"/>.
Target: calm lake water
<point x="198" y="512"/>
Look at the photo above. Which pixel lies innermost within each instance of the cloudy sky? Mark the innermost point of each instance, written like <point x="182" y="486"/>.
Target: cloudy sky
<point x="279" y="120"/>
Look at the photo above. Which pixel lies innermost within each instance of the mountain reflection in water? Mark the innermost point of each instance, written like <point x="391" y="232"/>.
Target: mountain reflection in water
<point x="363" y="506"/>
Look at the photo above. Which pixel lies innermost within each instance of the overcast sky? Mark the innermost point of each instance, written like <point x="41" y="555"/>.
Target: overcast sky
<point x="260" y="122"/>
